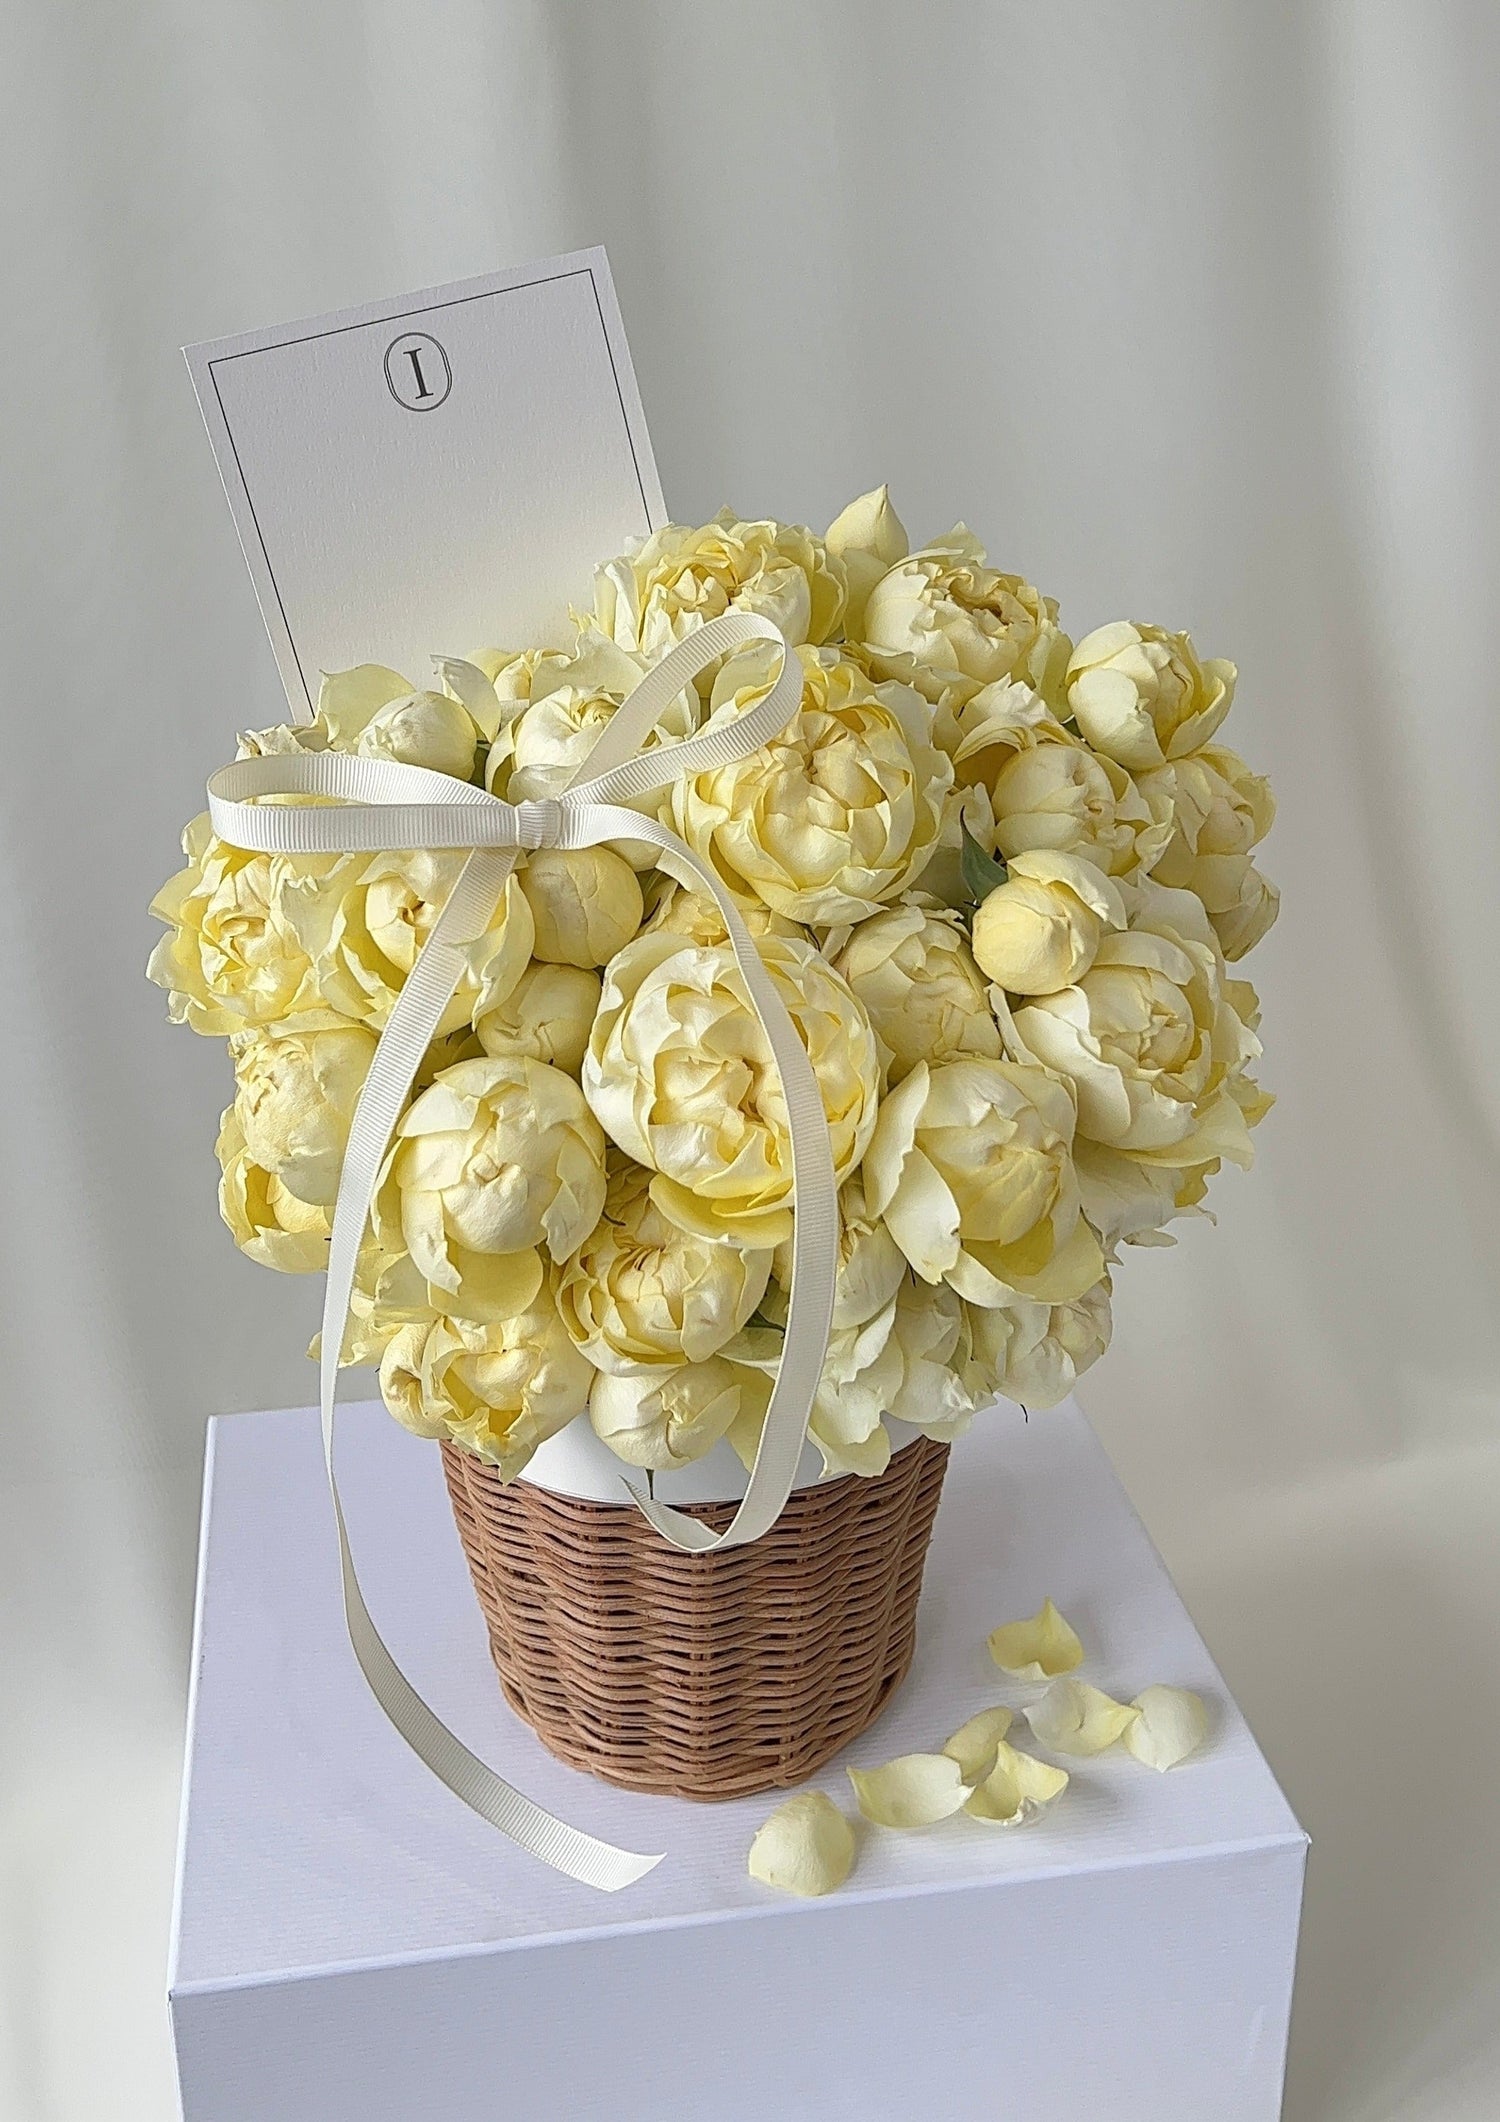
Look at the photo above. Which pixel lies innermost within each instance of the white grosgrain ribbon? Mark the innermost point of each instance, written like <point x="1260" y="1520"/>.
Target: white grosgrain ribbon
<point x="381" y="805"/>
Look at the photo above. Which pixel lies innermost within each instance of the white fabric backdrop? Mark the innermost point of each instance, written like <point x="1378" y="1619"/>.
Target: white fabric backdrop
<point x="1192" y="311"/>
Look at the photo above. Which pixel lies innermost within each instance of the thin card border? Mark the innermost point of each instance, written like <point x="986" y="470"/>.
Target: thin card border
<point x="425" y="303"/>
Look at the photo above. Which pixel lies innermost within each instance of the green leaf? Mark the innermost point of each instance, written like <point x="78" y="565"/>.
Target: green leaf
<point x="981" y="872"/>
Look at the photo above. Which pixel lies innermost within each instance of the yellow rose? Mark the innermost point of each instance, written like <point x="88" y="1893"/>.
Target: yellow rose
<point x="1220" y="811"/>
<point x="696" y="918"/>
<point x="1039" y="930"/>
<point x="907" y="1360"/>
<point x="294" y="1100"/>
<point x="547" y="1016"/>
<point x="1027" y="783"/>
<point x="654" y="597"/>
<point x="840" y="813"/>
<point x="970" y="1166"/>
<point x="374" y="713"/>
<point x="666" y="1418"/>
<point x="871" y="1264"/>
<point x="585" y="904"/>
<point x="391" y="1291"/>
<point x="281" y="740"/>
<point x="568" y="703"/>
<point x="1149" y="1038"/>
<point x="1036" y="1353"/>
<point x="867" y="538"/>
<point x="1140" y="694"/>
<point x="233" y="957"/>
<point x="949" y="624"/>
<point x="364" y="926"/>
<point x="497" y="1156"/>
<point x="681" y="1075"/>
<point x="642" y="1293"/>
<point x="265" y="1219"/>
<point x="912" y="969"/>
<point x="1130" y="1198"/>
<point x="499" y="1389"/>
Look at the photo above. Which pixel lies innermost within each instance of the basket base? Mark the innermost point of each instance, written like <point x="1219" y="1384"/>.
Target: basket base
<point x="700" y="1676"/>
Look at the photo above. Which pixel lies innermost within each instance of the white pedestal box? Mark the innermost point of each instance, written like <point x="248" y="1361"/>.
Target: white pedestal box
<point x="353" y="1945"/>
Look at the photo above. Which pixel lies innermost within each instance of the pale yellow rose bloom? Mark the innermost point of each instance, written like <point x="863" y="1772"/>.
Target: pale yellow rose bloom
<point x="510" y="675"/>
<point x="499" y="1389"/>
<point x="654" y="597"/>
<point x="1036" y="1353"/>
<point x="869" y="538"/>
<point x="948" y="623"/>
<point x="907" y="1360"/>
<point x="498" y="1156"/>
<point x="667" y="1418"/>
<point x="871" y="1265"/>
<point x="696" y="918"/>
<point x="1220" y="811"/>
<point x="1140" y="694"/>
<point x="568" y="703"/>
<point x="374" y="713"/>
<point x="233" y="957"/>
<point x="1149" y="1038"/>
<point x="390" y="1290"/>
<point x="282" y="740"/>
<point x="547" y="1016"/>
<point x="838" y="814"/>
<point x="585" y="904"/>
<point x="1040" y="930"/>
<point x="266" y="1220"/>
<point x="681" y="1075"/>
<point x="642" y="1293"/>
<point x="1130" y="1198"/>
<point x="1026" y="782"/>
<point x="912" y="968"/>
<point x="295" y="1095"/>
<point x="364" y="926"/>
<point x="970" y="1167"/>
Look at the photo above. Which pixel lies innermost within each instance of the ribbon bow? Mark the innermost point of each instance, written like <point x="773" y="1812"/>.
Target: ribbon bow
<point x="382" y="805"/>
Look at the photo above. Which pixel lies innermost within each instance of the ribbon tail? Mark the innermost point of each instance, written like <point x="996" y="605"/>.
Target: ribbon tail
<point x="398" y="1054"/>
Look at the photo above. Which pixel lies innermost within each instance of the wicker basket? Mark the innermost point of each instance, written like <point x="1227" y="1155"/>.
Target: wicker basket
<point x="702" y="1676"/>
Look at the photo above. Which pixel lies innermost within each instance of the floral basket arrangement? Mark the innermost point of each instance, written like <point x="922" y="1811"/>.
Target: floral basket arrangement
<point x="883" y="842"/>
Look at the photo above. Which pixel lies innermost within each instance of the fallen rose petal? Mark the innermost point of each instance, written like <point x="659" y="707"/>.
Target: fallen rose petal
<point x="1172" y="1723"/>
<point x="915" y="1790"/>
<point x="1040" y="1648"/>
<point x="1016" y="1788"/>
<point x="1074" y="1718"/>
<point x="805" y="1847"/>
<point x="974" y="1744"/>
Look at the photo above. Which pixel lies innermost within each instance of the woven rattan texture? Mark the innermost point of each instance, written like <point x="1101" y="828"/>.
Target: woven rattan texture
<point x="702" y="1676"/>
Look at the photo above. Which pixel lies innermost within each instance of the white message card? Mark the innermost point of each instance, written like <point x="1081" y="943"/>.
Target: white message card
<point x="432" y="474"/>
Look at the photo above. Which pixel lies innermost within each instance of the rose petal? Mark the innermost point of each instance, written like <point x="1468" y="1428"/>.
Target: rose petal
<point x="1172" y="1723"/>
<point x="1038" y="1649"/>
<point x="1016" y="1788"/>
<point x="912" y="1791"/>
<point x="1074" y="1718"/>
<point x="973" y="1745"/>
<point x="805" y="1847"/>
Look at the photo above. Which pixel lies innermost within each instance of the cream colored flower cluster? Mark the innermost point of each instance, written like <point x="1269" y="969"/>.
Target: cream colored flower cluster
<point x="999" y="881"/>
